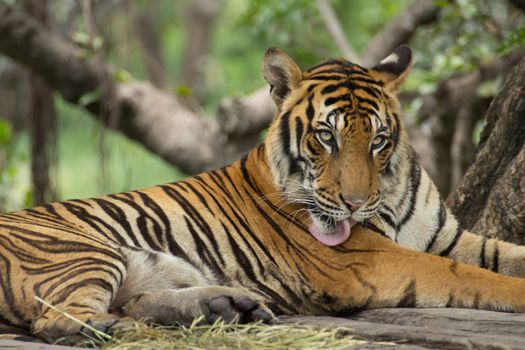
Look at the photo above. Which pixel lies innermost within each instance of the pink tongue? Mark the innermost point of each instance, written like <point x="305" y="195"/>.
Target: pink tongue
<point x="338" y="236"/>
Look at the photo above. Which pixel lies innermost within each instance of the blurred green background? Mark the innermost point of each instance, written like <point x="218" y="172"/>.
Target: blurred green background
<point x="93" y="160"/>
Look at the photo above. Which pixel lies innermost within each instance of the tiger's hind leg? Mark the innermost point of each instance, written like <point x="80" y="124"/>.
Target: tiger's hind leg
<point x="98" y="288"/>
<point x="168" y="290"/>
<point x="82" y="289"/>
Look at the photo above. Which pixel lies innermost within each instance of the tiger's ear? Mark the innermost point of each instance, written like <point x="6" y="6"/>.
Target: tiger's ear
<point x="281" y="73"/>
<point x="394" y="69"/>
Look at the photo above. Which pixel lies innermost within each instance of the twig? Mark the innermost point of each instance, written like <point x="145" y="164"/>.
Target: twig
<point x="85" y="325"/>
<point x="336" y="31"/>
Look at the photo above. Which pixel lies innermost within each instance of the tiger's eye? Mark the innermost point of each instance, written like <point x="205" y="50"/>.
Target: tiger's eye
<point x="326" y="136"/>
<point x="378" y="142"/>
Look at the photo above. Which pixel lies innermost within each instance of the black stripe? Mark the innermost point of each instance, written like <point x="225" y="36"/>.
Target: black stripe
<point x="197" y="194"/>
<point x="217" y="179"/>
<point x="395" y="131"/>
<point x="247" y="229"/>
<point x="495" y="260"/>
<point x="274" y="208"/>
<point x="376" y="229"/>
<point x="332" y="88"/>
<point x="310" y="111"/>
<point x="203" y="251"/>
<point x="415" y="180"/>
<point x="482" y="262"/>
<point x="326" y="77"/>
<point x="362" y="100"/>
<point x="442" y="217"/>
<point x="242" y="260"/>
<point x="95" y="222"/>
<point x="299" y="250"/>
<point x="62" y="278"/>
<point x="153" y="206"/>
<point x="118" y="215"/>
<point x="193" y="213"/>
<point x="52" y="244"/>
<point x="409" y="296"/>
<point x="67" y="291"/>
<point x="285" y="135"/>
<point x="24" y="255"/>
<point x="6" y="289"/>
<point x="141" y="223"/>
<point x="453" y="243"/>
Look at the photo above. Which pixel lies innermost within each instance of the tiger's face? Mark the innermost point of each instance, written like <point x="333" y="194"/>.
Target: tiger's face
<point x="335" y="137"/>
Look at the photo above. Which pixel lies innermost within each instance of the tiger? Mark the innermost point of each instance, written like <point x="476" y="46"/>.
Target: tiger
<point x="330" y="214"/>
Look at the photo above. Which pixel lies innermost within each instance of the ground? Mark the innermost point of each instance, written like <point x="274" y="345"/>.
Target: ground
<point x="373" y="329"/>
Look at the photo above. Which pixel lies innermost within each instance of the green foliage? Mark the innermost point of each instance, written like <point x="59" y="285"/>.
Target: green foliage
<point x="6" y="133"/>
<point x="294" y="24"/>
<point x="13" y="184"/>
<point x="89" y="98"/>
<point x="515" y="38"/>
<point x="297" y="25"/>
<point x="183" y="90"/>
<point x="85" y="40"/>
<point x="128" y="164"/>
<point x="122" y="76"/>
<point x="468" y="34"/>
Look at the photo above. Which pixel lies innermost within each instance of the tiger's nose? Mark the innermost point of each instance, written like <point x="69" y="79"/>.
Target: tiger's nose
<point x="354" y="202"/>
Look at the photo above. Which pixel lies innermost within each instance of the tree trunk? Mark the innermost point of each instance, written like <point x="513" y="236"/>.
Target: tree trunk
<point x="453" y="111"/>
<point x="148" y="36"/>
<point x="491" y="197"/>
<point x="42" y="124"/>
<point x="199" y="18"/>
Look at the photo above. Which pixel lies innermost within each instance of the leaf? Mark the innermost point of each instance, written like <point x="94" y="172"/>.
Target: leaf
<point x="28" y="199"/>
<point x="515" y="38"/>
<point x="183" y="90"/>
<point x="89" y="97"/>
<point x="122" y="76"/>
<point x="81" y="38"/>
<point x="6" y="132"/>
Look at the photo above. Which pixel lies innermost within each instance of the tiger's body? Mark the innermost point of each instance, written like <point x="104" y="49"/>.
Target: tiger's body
<point x="271" y="229"/>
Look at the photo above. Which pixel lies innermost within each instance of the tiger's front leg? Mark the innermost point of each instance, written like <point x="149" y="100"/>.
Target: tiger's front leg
<point x="210" y="303"/>
<point x="374" y="272"/>
<point x="489" y="253"/>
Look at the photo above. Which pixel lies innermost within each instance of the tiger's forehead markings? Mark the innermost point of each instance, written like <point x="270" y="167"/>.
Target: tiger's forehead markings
<point x="377" y="123"/>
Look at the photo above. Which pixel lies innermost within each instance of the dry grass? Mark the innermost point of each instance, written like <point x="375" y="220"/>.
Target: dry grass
<point x="222" y="336"/>
<point x="245" y="337"/>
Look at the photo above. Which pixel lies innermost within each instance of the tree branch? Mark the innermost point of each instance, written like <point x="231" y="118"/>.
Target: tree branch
<point x="336" y="31"/>
<point x="258" y="110"/>
<point x="199" y="18"/>
<point x="152" y="117"/>
<point x="400" y="30"/>
<point x="519" y="4"/>
<point x="146" y="31"/>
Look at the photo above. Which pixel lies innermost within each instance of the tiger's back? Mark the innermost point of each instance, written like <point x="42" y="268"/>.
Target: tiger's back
<point x="122" y="245"/>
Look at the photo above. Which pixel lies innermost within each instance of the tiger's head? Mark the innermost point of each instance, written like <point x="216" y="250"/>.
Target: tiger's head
<point x="337" y="138"/>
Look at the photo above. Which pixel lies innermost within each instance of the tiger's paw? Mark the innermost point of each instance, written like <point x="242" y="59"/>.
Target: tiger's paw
<point x="66" y="331"/>
<point x="102" y="325"/>
<point x="238" y="310"/>
<point x="208" y="303"/>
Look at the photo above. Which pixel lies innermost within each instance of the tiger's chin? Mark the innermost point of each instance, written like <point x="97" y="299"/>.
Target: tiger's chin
<point x="331" y="233"/>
